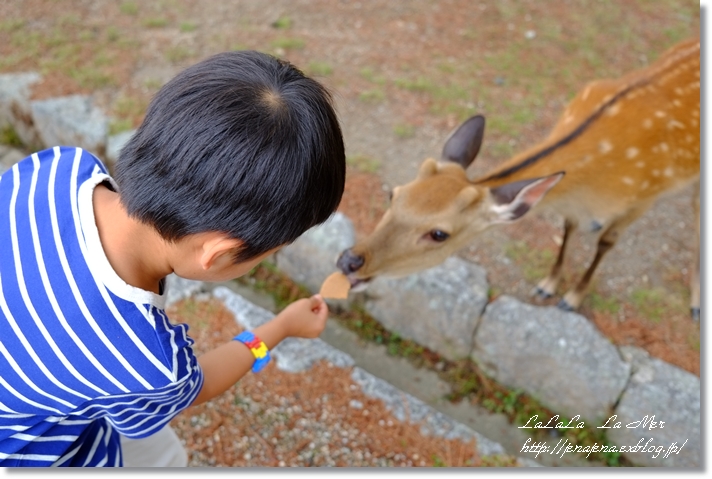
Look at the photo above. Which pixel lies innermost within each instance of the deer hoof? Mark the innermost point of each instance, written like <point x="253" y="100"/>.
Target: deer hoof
<point x="695" y="314"/>
<point x="565" y="306"/>
<point x="541" y="293"/>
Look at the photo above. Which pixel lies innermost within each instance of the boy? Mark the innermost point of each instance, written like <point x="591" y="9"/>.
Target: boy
<point x="238" y="155"/>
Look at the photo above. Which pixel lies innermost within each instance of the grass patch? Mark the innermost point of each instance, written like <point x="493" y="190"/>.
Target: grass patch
<point x="288" y="43"/>
<point x="369" y="75"/>
<point x="694" y="342"/>
<point x="282" y="23"/>
<point x="319" y="68"/>
<point x="153" y="84"/>
<point x="112" y="34"/>
<point x="655" y="303"/>
<point x="129" y="8"/>
<point x="177" y="54"/>
<point x="604" y="305"/>
<point x="11" y="25"/>
<point x="129" y="110"/>
<point x="499" y="460"/>
<point x="9" y="137"/>
<point x="375" y="95"/>
<point x="500" y="149"/>
<point x="419" y="84"/>
<point x="91" y="78"/>
<point x="363" y="163"/>
<point x="120" y="125"/>
<point x="404" y="130"/>
<point x="466" y="380"/>
<point x="155" y="22"/>
<point x="188" y="27"/>
<point x="534" y="263"/>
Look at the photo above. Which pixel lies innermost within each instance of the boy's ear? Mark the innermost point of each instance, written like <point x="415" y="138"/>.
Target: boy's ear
<point x="217" y="246"/>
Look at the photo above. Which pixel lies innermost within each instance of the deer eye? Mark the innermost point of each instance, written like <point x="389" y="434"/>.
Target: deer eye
<point x="438" y="235"/>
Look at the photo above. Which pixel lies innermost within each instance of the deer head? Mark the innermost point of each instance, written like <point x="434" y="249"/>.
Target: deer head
<point x="439" y="212"/>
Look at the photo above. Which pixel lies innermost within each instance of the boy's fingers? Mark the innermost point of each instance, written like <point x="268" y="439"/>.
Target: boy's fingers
<point x="316" y="302"/>
<point x="319" y="306"/>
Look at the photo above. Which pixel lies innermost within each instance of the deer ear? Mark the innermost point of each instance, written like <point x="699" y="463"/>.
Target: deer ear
<point x="464" y="143"/>
<point x="513" y="200"/>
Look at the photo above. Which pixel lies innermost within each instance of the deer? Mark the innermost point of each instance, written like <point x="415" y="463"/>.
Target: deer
<point x="618" y="146"/>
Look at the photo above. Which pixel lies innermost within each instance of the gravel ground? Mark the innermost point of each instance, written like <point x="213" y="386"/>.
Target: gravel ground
<point x="318" y="417"/>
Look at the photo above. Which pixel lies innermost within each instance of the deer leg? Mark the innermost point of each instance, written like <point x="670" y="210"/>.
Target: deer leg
<point x="547" y="286"/>
<point x="573" y="298"/>
<point x="695" y="278"/>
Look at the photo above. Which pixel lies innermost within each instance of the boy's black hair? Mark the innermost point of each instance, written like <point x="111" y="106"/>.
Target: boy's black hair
<point x="242" y="143"/>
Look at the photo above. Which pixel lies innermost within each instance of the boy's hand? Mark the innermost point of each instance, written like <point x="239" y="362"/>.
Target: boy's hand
<point x="304" y="318"/>
<point x="225" y="365"/>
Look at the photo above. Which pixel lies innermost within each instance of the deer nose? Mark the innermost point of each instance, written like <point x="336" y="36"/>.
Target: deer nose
<point x="349" y="262"/>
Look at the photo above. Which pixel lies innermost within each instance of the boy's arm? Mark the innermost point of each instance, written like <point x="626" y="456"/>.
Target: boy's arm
<point x="225" y="365"/>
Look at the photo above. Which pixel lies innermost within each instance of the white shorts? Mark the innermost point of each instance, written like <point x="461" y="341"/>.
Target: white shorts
<point x="162" y="449"/>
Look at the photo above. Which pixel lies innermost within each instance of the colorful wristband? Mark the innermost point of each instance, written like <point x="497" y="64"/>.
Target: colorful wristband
<point x="258" y="348"/>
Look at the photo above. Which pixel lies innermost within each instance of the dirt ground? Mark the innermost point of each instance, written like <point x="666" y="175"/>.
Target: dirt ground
<point x="403" y="75"/>
<point x="318" y="417"/>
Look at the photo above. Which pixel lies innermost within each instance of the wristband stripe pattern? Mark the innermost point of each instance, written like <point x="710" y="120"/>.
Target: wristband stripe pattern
<point x="257" y="347"/>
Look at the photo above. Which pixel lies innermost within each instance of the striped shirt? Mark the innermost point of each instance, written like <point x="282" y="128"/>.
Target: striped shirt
<point x="84" y="357"/>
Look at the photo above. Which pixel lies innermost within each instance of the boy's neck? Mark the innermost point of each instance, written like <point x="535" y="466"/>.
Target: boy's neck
<point x="136" y="252"/>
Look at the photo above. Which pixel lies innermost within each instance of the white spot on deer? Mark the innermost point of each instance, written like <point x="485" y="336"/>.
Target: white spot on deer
<point x="632" y="152"/>
<point x="669" y="171"/>
<point x="660" y="113"/>
<point x="613" y="110"/>
<point x="672" y="124"/>
<point x="640" y="164"/>
<point x="689" y="138"/>
<point x="647" y="123"/>
<point x="585" y="93"/>
<point x="627" y="180"/>
<point x="694" y="123"/>
<point x="664" y="147"/>
<point x="694" y="85"/>
<point x="645" y="184"/>
<point x="586" y="159"/>
<point x="605" y="146"/>
<point x="678" y="91"/>
<point x="656" y="173"/>
<point x="695" y="113"/>
<point x="677" y="102"/>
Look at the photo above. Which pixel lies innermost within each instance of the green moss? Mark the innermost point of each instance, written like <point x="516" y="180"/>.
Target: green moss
<point x="466" y="380"/>
<point x="9" y="137"/>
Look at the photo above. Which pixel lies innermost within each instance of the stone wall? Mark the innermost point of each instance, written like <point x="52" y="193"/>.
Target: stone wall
<point x="558" y="357"/>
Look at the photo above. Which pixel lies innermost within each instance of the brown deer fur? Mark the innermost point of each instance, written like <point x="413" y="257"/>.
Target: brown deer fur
<point x="618" y="146"/>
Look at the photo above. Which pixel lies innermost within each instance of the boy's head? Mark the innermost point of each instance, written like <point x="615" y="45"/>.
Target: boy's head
<point x="240" y="143"/>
